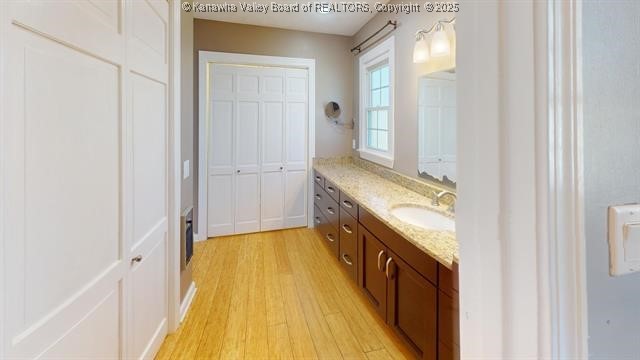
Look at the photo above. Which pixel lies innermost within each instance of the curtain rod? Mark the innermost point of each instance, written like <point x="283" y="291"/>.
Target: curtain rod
<point x="359" y="48"/>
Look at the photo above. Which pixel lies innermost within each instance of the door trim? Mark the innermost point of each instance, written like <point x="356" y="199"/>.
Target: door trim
<point x="524" y="298"/>
<point x="175" y="168"/>
<point x="211" y="57"/>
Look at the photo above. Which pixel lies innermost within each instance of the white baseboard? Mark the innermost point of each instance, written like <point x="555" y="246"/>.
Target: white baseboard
<point x="186" y="303"/>
<point x="198" y="238"/>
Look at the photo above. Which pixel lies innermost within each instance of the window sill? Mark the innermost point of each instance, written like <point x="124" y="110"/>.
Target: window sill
<point x="377" y="158"/>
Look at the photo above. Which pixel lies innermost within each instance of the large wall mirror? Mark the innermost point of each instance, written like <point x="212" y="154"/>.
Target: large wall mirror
<point x="437" y="128"/>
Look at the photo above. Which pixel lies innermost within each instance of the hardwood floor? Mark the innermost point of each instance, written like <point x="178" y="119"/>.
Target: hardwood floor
<point x="277" y="295"/>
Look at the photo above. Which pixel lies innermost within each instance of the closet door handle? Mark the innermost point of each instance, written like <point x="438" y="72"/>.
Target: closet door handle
<point x="379" y="260"/>
<point x="330" y="210"/>
<point x="237" y="171"/>
<point x="330" y="238"/>
<point x="136" y="259"/>
<point x="281" y="168"/>
<point x="347" y="259"/>
<point x="387" y="266"/>
<point x="347" y="204"/>
<point x="347" y="228"/>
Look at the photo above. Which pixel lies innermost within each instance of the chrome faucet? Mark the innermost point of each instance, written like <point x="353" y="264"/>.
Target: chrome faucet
<point x="437" y="196"/>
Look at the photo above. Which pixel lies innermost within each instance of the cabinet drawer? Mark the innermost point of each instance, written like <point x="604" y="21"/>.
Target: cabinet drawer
<point x="331" y="211"/>
<point x="349" y="244"/>
<point x="328" y="233"/>
<point x="349" y="205"/>
<point x="318" y="179"/>
<point x="319" y="196"/>
<point x="332" y="190"/>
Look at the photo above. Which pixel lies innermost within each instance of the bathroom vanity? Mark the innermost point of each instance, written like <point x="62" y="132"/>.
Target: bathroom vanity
<point x="407" y="273"/>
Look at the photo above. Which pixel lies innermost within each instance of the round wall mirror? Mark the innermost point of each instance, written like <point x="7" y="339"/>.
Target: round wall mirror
<point x="332" y="110"/>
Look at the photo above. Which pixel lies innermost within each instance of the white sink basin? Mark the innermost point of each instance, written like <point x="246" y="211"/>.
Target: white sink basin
<point x="423" y="217"/>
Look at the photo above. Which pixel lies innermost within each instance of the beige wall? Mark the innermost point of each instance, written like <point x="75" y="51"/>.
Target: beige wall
<point x="611" y="86"/>
<point x="406" y="80"/>
<point x="333" y="67"/>
<point x="186" y="121"/>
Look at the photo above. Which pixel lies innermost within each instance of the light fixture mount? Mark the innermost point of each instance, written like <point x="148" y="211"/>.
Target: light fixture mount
<point x="440" y="45"/>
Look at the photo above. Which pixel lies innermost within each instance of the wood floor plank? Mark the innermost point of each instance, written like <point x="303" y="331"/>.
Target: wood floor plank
<point x="301" y="342"/>
<point x="273" y="295"/>
<point x="210" y="342"/>
<point x="318" y="327"/>
<point x="381" y="354"/>
<point x="233" y="345"/>
<point x="279" y="343"/>
<point x="191" y="330"/>
<point x="257" y="341"/>
<point x="349" y="346"/>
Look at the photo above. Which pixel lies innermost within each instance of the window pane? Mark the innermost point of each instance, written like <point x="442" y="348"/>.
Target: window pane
<point x="384" y="76"/>
<point x="375" y="98"/>
<point x="383" y="140"/>
<point x="372" y="119"/>
<point x="375" y="79"/>
<point x="383" y="123"/>
<point x="372" y="141"/>
<point x="384" y="96"/>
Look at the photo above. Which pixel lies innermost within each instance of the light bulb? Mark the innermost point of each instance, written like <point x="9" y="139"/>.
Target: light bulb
<point x="421" y="50"/>
<point x="440" y="45"/>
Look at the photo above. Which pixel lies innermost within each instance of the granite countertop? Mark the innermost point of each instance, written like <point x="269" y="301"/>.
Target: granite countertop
<point x="378" y="196"/>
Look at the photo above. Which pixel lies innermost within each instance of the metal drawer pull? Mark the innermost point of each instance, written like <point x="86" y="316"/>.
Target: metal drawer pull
<point x="317" y="219"/>
<point x="347" y="259"/>
<point x="318" y="179"/>
<point x="330" y="210"/>
<point x="318" y="197"/>
<point x="379" y="258"/>
<point x="136" y="259"/>
<point x="389" y="260"/>
<point x="347" y="228"/>
<point x="347" y="203"/>
<point x="330" y="238"/>
<point x="330" y="189"/>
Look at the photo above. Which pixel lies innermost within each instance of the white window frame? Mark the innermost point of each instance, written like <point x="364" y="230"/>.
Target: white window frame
<point x="382" y="53"/>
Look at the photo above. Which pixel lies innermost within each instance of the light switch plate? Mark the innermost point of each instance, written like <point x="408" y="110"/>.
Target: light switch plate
<point x="624" y="239"/>
<point x="185" y="170"/>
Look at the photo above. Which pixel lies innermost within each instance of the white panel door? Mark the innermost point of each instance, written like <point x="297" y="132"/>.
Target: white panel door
<point x="272" y="166"/>
<point x="297" y="102"/>
<point x="257" y="149"/>
<point x="221" y="168"/>
<point x="147" y="246"/>
<point x="247" y="152"/>
<point x="62" y="262"/>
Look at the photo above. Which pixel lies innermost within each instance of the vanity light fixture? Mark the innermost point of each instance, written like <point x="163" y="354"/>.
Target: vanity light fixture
<point x="440" y="44"/>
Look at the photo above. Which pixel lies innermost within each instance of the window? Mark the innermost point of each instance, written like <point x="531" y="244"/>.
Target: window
<point x="376" y="104"/>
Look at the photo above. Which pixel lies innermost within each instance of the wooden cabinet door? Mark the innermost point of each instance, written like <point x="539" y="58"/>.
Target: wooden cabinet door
<point x="372" y="255"/>
<point x="412" y="307"/>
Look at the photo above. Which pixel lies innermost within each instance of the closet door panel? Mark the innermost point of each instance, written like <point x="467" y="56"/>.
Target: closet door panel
<point x="247" y="177"/>
<point x="273" y="184"/>
<point x="221" y="201"/>
<point x="296" y="148"/>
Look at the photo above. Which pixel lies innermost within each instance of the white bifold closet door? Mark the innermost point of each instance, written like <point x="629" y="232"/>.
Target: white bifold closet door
<point x="257" y="149"/>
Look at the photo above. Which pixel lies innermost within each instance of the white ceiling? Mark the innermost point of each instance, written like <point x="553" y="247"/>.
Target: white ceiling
<point x="341" y="23"/>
